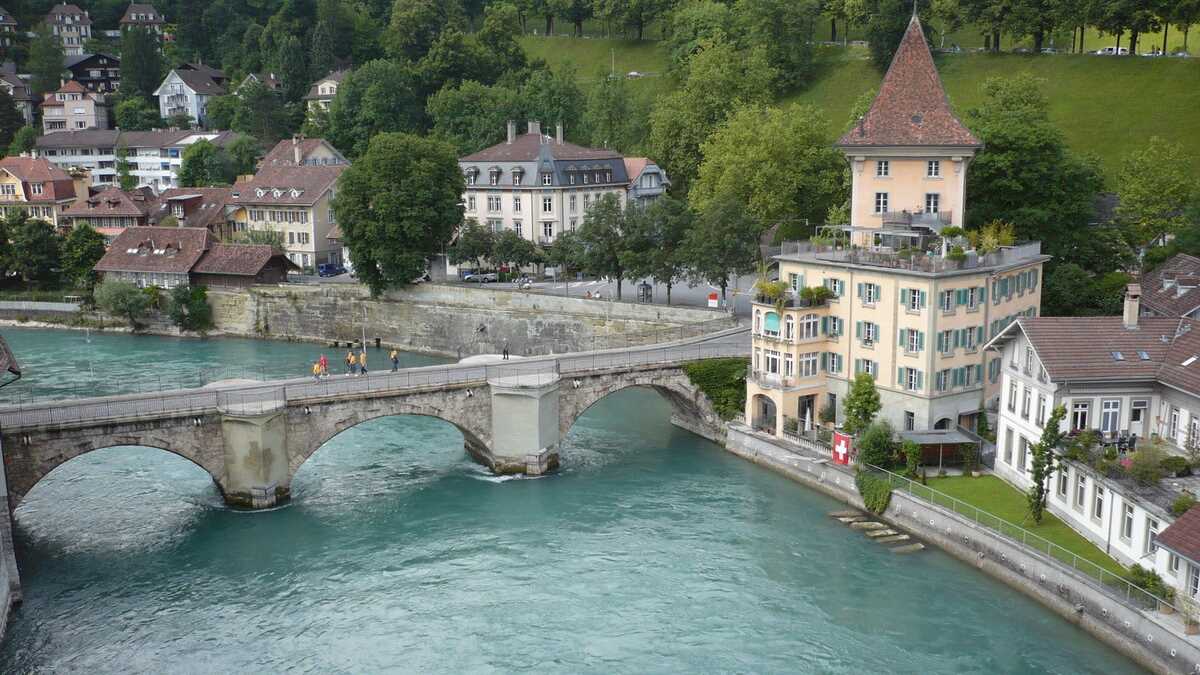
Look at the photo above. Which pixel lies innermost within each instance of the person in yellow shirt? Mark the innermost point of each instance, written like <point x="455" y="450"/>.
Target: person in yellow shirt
<point x="351" y="364"/>
<point x="316" y="370"/>
<point x="395" y="357"/>
<point x="362" y="362"/>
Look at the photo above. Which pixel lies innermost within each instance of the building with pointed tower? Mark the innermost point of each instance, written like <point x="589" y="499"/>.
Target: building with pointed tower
<point x="903" y="303"/>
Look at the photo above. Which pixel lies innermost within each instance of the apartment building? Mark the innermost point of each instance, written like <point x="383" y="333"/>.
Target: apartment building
<point x="154" y="157"/>
<point x="37" y="188"/>
<point x="187" y="90"/>
<point x="323" y="91"/>
<point x="297" y="202"/>
<point x="112" y="210"/>
<point x="142" y="15"/>
<point x="72" y="25"/>
<point x="100" y="73"/>
<point x="73" y="108"/>
<point x="8" y="28"/>
<point x="903" y="310"/>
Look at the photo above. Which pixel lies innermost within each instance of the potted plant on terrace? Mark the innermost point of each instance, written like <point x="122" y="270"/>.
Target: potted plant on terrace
<point x="815" y="296"/>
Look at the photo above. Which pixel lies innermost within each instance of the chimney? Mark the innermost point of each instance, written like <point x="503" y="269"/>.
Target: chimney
<point x="296" y="149"/>
<point x="558" y="133"/>
<point x="535" y="127"/>
<point x="512" y="131"/>
<point x="1133" y="295"/>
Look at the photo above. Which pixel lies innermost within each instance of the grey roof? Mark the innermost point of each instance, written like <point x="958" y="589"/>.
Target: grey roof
<point x="86" y="138"/>
<point x="936" y="437"/>
<point x="70" y="61"/>
<point x="200" y="82"/>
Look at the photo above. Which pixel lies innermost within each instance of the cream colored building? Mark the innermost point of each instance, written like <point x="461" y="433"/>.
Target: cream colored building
<point x="903" y="312"/>
<point x="297" y="202"/>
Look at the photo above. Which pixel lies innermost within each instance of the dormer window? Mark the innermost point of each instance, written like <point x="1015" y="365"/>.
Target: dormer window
<point x="36" y="188"/>
<point x="585" y="178"/>
<point x="494" y="177"/>
<point x="471" y="177"/>
<point x="296" y="193"/>
<point x="547" y="178"/>
<point x="517" y="174"/>
<point x="260" y="192"/>
<point x="277" y="193"/>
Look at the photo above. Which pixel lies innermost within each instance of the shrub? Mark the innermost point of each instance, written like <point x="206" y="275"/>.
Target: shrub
<point x="912" y="458"/>
<point x="791" y="425"/>
<point x="816" y="295"/>
<point x="1149" y="581"/>
<point x="970" y="458"/>
<point x="723" y="381"/>
<point x="876" y="445"/>
<point x="983" y="428"/>
<point x="122" y="298"/>
<point x="1176" y="466"/>
<point x="828" y="414"/>
<point x="956" y="254"/>
<point x="1182" y="503"/>
<point x="189" y="308"/>
<point x="876" y="492"/>
<point x="1145" y="465"/>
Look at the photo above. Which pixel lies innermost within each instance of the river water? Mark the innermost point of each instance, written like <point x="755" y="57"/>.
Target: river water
<point x="652" y="550"/>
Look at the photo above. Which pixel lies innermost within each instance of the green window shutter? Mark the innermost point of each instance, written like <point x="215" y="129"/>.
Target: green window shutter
<point x="960" y="296"/>
<point x="904" y="296"/>
<point x="900" y="376"/>
<point x="979" y="373"/>
<point x="920" y="340"/>
<point x="903" y="332"/>
<point x="860" y="290"/>
<point x="1033" y="278"/>
<point x="858" y="330"/>
<point x="941" y="342"/>
<point x="979" y="335"/>
<point x="923" y="298"/>
<point x="983" y="294"/>
<point x="920" y="379"/>
<point x="957" y="339"/>
<point x="857" y="366"/>
<point x="824" y="360"/>
<point x="824" y="325"/>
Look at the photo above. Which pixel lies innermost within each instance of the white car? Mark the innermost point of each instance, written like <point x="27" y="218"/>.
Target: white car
<point x="1113" y="51"/>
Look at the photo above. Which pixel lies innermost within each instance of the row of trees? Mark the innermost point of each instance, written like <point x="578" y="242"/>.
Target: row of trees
<point x="32" y="250"/>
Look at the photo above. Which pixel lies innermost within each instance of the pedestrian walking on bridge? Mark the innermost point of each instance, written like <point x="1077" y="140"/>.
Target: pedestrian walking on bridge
<point x="316" y="371"/>
<point x="362" y="362"/>
<point x="395" y="356"/>
<point x="324" y="363"/>
<point x="351" y="363"/>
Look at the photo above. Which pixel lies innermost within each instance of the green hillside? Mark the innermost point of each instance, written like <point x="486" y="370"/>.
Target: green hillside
<point x="1106" y="106"/>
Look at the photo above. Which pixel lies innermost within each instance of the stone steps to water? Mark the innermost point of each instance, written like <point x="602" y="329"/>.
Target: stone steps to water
<point x="885" y="532"/>
<point x="909" y="548"/>
<point x="868" y="525"/>
<point x="845" y="514"/>
<point x="892" y="538"/>
<point x="851" y="519"/>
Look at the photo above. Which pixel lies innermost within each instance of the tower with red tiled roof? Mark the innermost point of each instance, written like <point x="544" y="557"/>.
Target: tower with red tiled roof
<point x="909" y="154"/>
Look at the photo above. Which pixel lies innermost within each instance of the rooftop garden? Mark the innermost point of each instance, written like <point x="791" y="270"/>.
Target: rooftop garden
<point x="1148" y="466"/>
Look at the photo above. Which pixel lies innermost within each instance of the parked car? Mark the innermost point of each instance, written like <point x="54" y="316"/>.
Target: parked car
<point x="633" y="74"/>
<point x="482" y="278"/>
<point x="1113" y="51"/>
<point x="1049" y="50"/>
<point x="330" y="270"/>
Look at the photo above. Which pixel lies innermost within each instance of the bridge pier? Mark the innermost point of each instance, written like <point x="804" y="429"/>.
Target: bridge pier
<point x="525" y="431"/>
<point x="256" y="458"/>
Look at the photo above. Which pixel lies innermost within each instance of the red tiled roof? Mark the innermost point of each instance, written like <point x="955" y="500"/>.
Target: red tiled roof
<point x="236" y="259"/>
<point x="139" y="8"/>
<point x="202" y="207"/>
<point x="335" y="76"/>
<point x="284" y="152"/>
<point x="634" y="166"/>
<point x="1081" y="348"/>
<point x="172" y="250"/>
<point x="63" y="9"/>
<point x="56" y="184"/>
<point x="911" y="107"/>
<point x="112" y="202"/>
<point x="526" y="148"/>
<point x="312" y="182"/>
<point x="1171" y="290"/>
<point x="1183" y="536"/>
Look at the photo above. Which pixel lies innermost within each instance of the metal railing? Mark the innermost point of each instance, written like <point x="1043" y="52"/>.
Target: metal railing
<point x="530" y="372"/>
<point x="1112" y="584"/>
<point x="916" y="261"/>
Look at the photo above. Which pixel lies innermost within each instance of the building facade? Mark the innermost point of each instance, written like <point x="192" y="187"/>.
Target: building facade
<point x="100" y="73"/>
<point x="297" y="202"/>
<point x="902" y="309"/>
<point x="8" y="28"/>
<point x="187" y="91"/>
<point x="324" y="90"/>
<point x="72" y="25"/>
<point x="73" y="108"/>
<point x="37" y="188"/>
<point x="647" y="181"/>
<point x="154" y="157"/>
<point x="301" y="151"/>
<point x="19" y="90"/>
<point x="142" y="15"/>
<point x="167" y="257"/>
<point x="112" y="210"/>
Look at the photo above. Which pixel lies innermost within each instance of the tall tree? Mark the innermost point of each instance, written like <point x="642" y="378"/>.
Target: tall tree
<point x="474" y="244"/>
<point x="553" y="98"/>
<point x="141" y="62"/>
<point x="35" y="249"/>
<point x="321" y="56"/>
<point x="885" y="29"/>
<point x="23" y="141"/>
<point x="204" y="165"/>
<point x="776" y="162"/>
<point x="260" y="112"/>
<point x="244" y="154"/>
<point x="134" y="113"/>
<point x="1043" y="463"/>
<point x="11" y="119"/>
<point x="81" y="250"/>
<point x="785" y="30"/>
<point x="510" y="248"/>
<point x="607" y="116"/>
<point x="222" y="110"/>
<point x="397" y="205"/>
<point x="125" y="177"/>
<point x="45" y="62"/>
<point x="1156" y="187"/>
<point x="862" y="404"/>
<point x="654" y="237"/>
<point x="601" y="239"/>
<point x="377" y="97"/>
<point x="501" y="28"/>
<point x="293" y="71"/>
<point x="473" y="116"/>
<point x="723" y="245"/>
<point x="575" y="11"/>
<point x="695" y="25"/>
<point x="416" y="24"/>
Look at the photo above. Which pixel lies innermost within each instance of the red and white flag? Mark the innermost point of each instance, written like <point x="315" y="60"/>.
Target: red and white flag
<point x="841" y="448"/>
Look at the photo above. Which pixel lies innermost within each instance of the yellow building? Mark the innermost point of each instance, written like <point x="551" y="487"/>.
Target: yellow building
<point x="908" y="307"/>
<point x="295" y="201"/>
<point x="37" y="188"/>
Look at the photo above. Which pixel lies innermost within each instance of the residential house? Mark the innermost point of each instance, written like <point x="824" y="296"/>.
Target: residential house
<point x="97" y="72"/>
<point x="35" y="187"/>
<point x="93" y="150"/>
<point x="154" y="157"/>
<point x="170" y="256"/>
<point x="1133" y="380"/>
<point x="8" y="28"/>
<point x="19" y="90"/>
<point x="301" y="151"/>
<point x="266" y="79"/>
<point x="70" y="24"/>
<point x="187" y="91"/>
<point x="72" y="107"/>
<point x="539" y="186"/>
<point x="916" y="322"/>
<point x="1173" y="288"/>
<point x="297" y="202"/>
<point x="208" y="207"/>
<point x="112" y="210"/>
<point x="647" y="181"/>
<point x="141" y="15"/>
<point x="324" y="90"/>
<point x="214" y="74"/>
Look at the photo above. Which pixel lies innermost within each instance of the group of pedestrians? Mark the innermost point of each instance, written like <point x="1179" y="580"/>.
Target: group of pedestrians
<point x="356" y="364"/>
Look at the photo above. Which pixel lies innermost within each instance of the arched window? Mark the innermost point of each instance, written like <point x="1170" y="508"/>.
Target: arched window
<point x="810" y="327"/>
<point x="789" y="328"/>
<point x="771" y="324"/>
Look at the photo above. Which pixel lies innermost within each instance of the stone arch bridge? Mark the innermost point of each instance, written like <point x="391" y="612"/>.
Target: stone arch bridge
<point x="252" y="438"/>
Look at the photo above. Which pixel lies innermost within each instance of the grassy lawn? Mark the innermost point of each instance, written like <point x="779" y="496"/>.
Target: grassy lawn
<point x="993" y="495"/>
<point x="593" y="57"/>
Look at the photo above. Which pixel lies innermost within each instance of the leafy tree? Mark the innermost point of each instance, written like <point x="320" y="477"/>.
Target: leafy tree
<point x="127" y="180"/>
<point x="204" y="164"/>
<point x="397" y="204"/>
<point x="601" y="239"/>
<point x="379" y="96"/>
<point x="498" y="36"/>
<point x="244" y="154"/>
<point x="35" y="249"/>
<point x="862" y="404"/>
<point x="81" y="250"/>
<point x="222" y="110"/>
<point x="416" y="24"/>
<point x="11" y="119"/>
<point x="776" y="162"/>
<point x="912" y="457"/>
<point x="885" y="29"/>
<point x="472" y="115"/>
<point x="1035" y="18"/>
<point x="553" y="98"/>
<point x="695" y="25"/>
<point x="23" y="141"/>
<point x="723" y="244"/>
<point x="180" y="120"/>
<point x="565" y="254"/>
<point x="510" y="248"/>
<point x="137" y="114"/>
<point x="261" y="113"/>
<point x="609" y="117"/>
<point x="141" y="62"/>
<point x="321" y="55"/>
<point x="1156" y="186"/>
<point x="293" y="70"/>
<point x="122" y="298"/>
<point x="575" y="11"/>
<point x="45" y="62"/>
<point x="454" y="58"/>
<point x="189" y="309"/>
<point x="990" y="16"/>
<point x="654" y="239"/>
<point x="1043" y="463"/>
<point x="784" y="29"/>
<point x="720" y="79"/>
<point x="475" y="244"/>
<point x="272" y="238"/>
<point x="876" y="445"/>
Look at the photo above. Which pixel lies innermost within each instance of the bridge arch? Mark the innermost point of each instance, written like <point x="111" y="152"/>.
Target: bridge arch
<point x="691" y="408"/>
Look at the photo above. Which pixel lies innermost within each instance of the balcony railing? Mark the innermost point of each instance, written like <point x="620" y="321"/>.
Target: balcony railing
<point x="916" y="218"/>
<point x="920" y="261"/>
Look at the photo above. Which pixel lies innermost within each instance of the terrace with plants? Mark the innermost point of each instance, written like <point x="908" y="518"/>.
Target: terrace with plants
<point x="1152" y="471"/>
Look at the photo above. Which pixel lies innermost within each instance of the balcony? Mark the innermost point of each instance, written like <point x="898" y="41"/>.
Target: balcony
<point x="918" y="218"/>
<point x="918" y="260"/>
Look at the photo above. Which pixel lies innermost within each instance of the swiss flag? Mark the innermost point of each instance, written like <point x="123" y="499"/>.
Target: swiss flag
<point x="841" y="448"/>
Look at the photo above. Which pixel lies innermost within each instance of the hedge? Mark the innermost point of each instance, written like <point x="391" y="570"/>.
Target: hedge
<point x="723" y="381"/>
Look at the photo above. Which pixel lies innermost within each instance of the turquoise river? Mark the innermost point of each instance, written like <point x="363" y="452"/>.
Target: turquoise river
<point x="652" y="550"/>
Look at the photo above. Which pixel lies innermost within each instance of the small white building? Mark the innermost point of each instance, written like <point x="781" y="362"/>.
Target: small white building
<point x="187" y="91"/>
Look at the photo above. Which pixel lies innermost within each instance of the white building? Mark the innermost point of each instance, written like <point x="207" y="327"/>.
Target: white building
<point x="154" y="157"/>
<point x="72" y="25"/>
<point x="1119" y="376"/>
<point x="187" y="91"/>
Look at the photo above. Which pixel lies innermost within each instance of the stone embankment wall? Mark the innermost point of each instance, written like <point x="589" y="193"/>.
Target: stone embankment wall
<point x="10" y="584"/>
<point x="453" y="320"/>
<point x="1142" y="636"/>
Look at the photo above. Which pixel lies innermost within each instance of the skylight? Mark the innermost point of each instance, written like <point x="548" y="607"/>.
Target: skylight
<point x="1118" y="356"/>
<point x="1189" y="360"/>
<point x="1143" y="356"/>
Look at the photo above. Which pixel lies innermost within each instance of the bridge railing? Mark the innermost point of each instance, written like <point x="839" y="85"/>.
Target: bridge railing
<point x="252" y="398"/>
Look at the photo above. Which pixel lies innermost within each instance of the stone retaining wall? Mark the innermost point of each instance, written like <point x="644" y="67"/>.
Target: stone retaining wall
<point x="10" y="582"/>
<point x="1147" y="637"/>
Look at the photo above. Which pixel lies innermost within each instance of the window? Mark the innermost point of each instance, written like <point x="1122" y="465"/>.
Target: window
<point x="36" y="188"/>
<point x="574" y="204"/>
<point x="1173" y="425"/>
<point x="789" y="328"/>
<point x="771" y="325"/>
<point x="1012" y="396"/>
<point x="867" y="332"/>
<point x="810" y="327"/>
<point x="1080" y="490"/>
<point x="1008" y="447"/>
<point x="789" y="365"/>
<point x="866" y="366"/>
<point x="932" y="201"/>
<point x="946" y="301"/>
<point x="547" y="205"/>
<point x="1127" y="522"/>
<point x="1023" y="455"/>
<point x="517" y="175"/>
<point x="772" y="361"/>
<point x="1062" y="482"/>
<point x="795" y="281"/>
<point x="471" y="178"/>
<point x="933" y="168"/>
<point x="1079" y="415"/>
<point x="1041" y="410"/>
<point x="836" y="286"/>
<point x="912" y="340"/>
<point x="494" y="177"/>
<point x="517" y="228"/>
<point x="1193" y="580"/>
<point x="910" y="420"/>
<point x="869" y="293"/>
<point x="883" y="168"/>
<point x="471" y="203"/>
<point x="1110" y="415"/>
<point x="910" y="379"/>
<point x="835" y="362"/>
<point x="1098" y="503"/>
<point x="808" y="364"/>
<point x="516" y="204"/>
<point x="1149" y="545"/>
<point x="1173" y="564"/>
<point x="493" y="203"/>
<point x="548" y="230"/>
<point x="913" y="299"/>
<point x="547" y="178"/>
<point x="1025" y="399"/>
<point x="881" y="202"/>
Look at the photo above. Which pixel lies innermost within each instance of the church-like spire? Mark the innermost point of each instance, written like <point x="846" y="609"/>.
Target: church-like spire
<point x="911" y="108"/>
